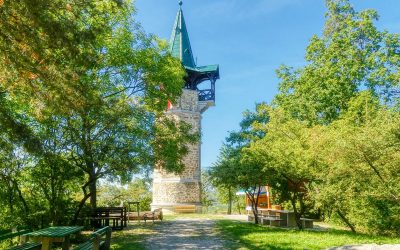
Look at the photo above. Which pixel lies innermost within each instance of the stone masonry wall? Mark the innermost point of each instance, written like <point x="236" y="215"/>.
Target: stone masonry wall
<point x="170" y="193"/>
<point x="185" y="188"/>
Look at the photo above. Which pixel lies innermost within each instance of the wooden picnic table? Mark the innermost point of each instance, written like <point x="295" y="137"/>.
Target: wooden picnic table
<point x="53" y="234"/>
<point x="102" y="216"/>
<point x="287" y="217"/>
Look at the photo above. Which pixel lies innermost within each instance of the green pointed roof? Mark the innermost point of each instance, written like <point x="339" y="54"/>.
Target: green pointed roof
<point x="180" y="43"/>
<point x="180" y="48"/>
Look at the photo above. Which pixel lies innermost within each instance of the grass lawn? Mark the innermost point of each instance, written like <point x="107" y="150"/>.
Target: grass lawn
<point x="131" y="238"/>
<point x="243" y="235"/>
<point x="251" y="236"/>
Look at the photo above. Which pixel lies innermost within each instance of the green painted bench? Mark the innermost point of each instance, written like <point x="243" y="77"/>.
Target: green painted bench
<point x="9" y="234"/>
<point x="99" y="240"/>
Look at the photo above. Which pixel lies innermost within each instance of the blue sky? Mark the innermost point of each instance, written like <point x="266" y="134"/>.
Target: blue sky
<point x="250" y="40"/>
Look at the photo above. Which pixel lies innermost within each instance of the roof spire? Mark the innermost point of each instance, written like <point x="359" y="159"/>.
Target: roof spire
<point x="180" y="48"/>
<point x="180" y="42"/>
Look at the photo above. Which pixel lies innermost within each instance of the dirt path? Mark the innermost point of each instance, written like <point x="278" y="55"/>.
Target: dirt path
<point x="185" y="234"/>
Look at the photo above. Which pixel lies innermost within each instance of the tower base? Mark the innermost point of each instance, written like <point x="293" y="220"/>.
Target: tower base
<point x="173" y="208"/>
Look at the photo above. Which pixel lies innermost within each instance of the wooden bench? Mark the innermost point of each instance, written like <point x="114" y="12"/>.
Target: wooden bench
<point x="133" y="216"/>
<point x="102" y="216"/>
<point x="185" y="209"/>
<point x="157" y="214"/>
<point x="307" y="223"/>
<point x="99" y="240"/>
<point x="9" y="234"/>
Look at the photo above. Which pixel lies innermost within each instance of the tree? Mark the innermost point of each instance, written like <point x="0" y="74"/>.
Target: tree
<point x="351" y="55"/>
<point x="46" y="45"/>
<point x="286" y="157"/>
<point x="82" y="86"/>
<point x="137" y="190"/>
<point x="228" y="196"/>
<point x="113" y="134"/>
<point x="361" y="155"/>
<point x="223" y="173"/>
<point x="11" y="197"/>
<point x="231" y="171"/>
<point x="207" y="191"/>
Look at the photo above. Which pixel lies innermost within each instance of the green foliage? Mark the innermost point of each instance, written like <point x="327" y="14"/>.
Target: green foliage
<point x="207" y="191"/>
<point x="287" y="158"/>
<point x="47" y="46"/>
<point x="362" y="161"/>
<point x="329" y="141"/>
<point x="235" y="204"/>
<point x="81" y="88"/>
<point x="137" y="190"/>
<point x="352" y="54"/>
<point x="220" y="198"/>
<point x="232" y="171"/>
<point x="170" y="143"/>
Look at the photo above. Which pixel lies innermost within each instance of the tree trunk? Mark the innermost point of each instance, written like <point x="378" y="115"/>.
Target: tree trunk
<point x="255" y="212"/>
<point x="10" y="200"/>
<point x="238" y="206"/>
<point x="297" y="215"/>
<point x="93" y="196"/>
<point x="343" y="217"/>
<point x="78" y="211"/>
<point x="229" y="200"/>
<point x="93" y="187"/>
<point x="254" y="203"/>
<point x="253" y="206"/>
<point x="21" y="197"/>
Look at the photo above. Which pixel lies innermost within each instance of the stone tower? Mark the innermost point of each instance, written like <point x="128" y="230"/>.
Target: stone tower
<point x="170" y="190"/>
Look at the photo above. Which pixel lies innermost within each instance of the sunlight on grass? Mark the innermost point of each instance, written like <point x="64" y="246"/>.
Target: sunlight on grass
<point x="243" y="235"/>
<point x="251" y="236"/>
<point x="131" y="238"/>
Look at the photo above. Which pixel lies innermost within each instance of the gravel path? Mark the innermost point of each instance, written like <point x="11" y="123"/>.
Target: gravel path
<point x="185" y="234"/>
<point x="188" y="233"/>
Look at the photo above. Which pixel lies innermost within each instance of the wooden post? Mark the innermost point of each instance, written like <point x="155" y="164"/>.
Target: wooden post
<point x="66" y="244"/>
<point x="268" y="196"/>
<point x="23" y="239"/>
<point x="46" y="244"/>
<point x="96" y="242"/>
